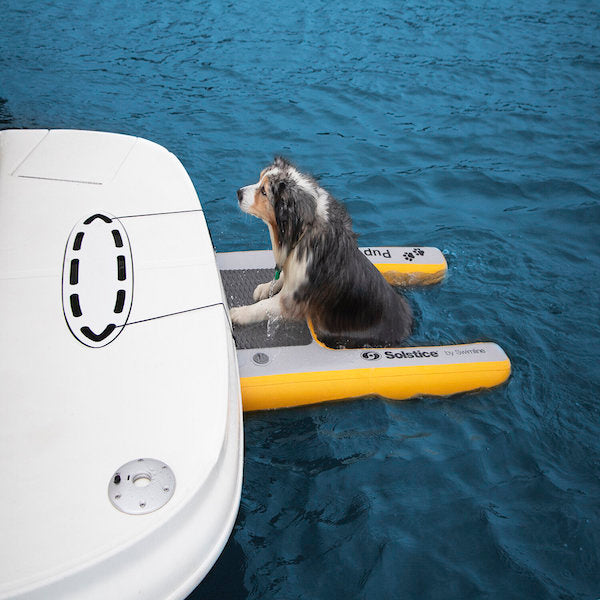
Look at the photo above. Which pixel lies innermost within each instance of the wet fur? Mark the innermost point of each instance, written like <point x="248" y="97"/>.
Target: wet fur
<point x="325" y="277"/>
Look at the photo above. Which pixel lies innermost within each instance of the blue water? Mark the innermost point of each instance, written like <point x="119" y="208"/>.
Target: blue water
<point x="470" y="126"/>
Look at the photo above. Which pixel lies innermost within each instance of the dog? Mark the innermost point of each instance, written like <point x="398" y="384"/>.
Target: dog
<point x="320" y="274"/>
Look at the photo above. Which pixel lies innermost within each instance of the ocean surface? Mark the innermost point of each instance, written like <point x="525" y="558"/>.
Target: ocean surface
<point x="470" y="126"/>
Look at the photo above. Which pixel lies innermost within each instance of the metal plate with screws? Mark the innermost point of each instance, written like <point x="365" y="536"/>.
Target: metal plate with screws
<point x="141" y="486"/>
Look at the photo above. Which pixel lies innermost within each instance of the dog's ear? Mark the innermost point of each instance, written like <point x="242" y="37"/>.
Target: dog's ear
<point x="280" y="189"/>
<point x="294" y="212"/>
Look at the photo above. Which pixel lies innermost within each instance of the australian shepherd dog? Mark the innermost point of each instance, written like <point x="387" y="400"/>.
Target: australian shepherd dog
<point x="320" y="274"/>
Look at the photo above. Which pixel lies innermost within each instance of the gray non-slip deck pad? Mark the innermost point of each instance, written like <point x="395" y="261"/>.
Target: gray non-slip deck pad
<point x="239" y="285"/>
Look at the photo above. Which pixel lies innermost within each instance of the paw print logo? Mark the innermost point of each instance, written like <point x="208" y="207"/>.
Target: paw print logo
<point x="411" y="255"/>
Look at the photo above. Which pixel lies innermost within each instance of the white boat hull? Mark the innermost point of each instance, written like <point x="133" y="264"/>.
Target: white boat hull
<point x="76" y="406"/>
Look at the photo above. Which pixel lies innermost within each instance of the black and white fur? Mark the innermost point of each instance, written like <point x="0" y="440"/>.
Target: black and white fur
<point x="324" y="278"/>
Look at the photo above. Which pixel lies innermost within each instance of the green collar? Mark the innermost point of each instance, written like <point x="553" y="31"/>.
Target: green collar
<point x="277" y="273"/>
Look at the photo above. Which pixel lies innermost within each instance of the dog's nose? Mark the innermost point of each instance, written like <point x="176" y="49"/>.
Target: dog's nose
<point x="240" y="195"/>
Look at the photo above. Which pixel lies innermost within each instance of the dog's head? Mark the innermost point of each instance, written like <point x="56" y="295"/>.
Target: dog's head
<point x="284" y="198"/>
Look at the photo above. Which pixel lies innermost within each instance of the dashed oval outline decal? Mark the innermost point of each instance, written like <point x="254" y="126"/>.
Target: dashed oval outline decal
<point x="97" y="281"/>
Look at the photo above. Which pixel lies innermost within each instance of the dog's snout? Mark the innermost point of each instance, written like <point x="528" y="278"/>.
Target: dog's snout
<point x="240" y="195"/>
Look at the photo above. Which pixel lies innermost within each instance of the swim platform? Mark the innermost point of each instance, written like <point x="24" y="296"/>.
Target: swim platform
<point x="284" y="364"/>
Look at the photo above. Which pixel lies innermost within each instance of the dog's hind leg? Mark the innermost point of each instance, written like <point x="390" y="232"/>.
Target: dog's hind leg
<point x="270" y="308"/>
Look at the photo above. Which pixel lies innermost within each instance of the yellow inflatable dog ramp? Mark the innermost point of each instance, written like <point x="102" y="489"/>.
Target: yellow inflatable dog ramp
<point x="282" y="364"/>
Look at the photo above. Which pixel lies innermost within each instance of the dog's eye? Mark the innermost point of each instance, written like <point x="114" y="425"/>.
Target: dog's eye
<point x="262" y="191"/>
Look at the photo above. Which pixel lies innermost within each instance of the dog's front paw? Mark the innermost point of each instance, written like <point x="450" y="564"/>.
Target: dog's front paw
<point x="262" y="291"/>
<point x="240" y="315"/>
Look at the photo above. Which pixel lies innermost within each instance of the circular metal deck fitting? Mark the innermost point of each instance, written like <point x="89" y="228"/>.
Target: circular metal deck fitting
<point x="141" y="486"/>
